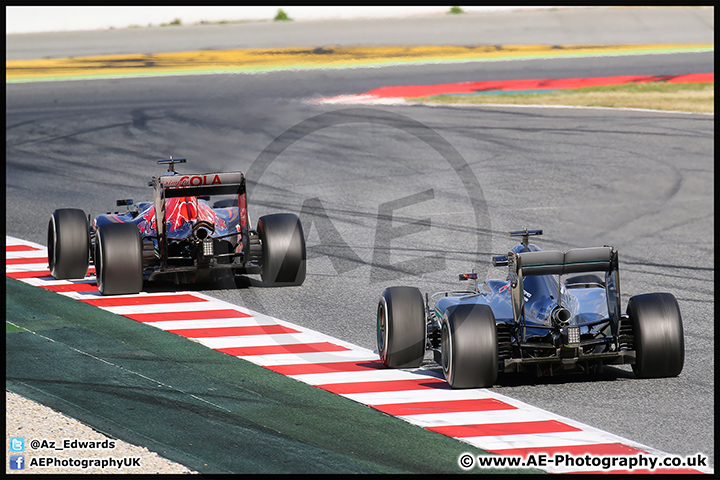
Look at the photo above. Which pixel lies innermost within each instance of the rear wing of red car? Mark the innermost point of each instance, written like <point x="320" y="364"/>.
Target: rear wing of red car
<point x="194" y="185"/>
<point x="173" y="184"/>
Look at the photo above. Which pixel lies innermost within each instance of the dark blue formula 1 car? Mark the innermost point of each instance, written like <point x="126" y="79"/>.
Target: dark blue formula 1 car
<point x="178" y="236"/>
<point x="534" y="321"/>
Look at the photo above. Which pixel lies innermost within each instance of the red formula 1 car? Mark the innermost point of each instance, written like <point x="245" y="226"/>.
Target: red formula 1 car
<point x="178" y="236"/>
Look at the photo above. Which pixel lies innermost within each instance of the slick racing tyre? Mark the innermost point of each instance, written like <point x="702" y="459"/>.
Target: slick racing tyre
<point x="658" y="335"/>
<point x="283" y="250"/>
<point x="469" y="346"/>
<point x="118" y="259"/>
<point x="401" y="327"/>
<point x="68" y="243"/>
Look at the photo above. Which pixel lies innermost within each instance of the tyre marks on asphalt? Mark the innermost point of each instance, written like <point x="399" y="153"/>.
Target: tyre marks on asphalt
<point x="479" y="417"/>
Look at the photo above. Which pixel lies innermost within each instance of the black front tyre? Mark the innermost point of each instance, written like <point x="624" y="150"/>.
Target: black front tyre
<point x="401" y="327"/>
<point x="469" y="346"/>
<point x="68" y="243"/>
<point x="283" y="250"/>
<point x="118" y="259"/>
<point x="658" y="335"/>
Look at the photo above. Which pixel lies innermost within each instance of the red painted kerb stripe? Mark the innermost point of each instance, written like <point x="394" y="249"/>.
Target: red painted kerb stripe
<point x="493" y="429"/>
<point x="20" y="248"/>
<point x="142" y="300"/>
<point x="29" y="274"/>
<point x="406" y="91"/>
<point x="599" y="449"/>
<point x="280" y="349"/>
<point x="24" y="261"/>
<point x="233" y="331"/>
<point x="72" y="287"/>
<point x="447" y="406"/>
<point x="192" y="315"/>
<point x="307" y="368"/>
<point x="385" y="386"/>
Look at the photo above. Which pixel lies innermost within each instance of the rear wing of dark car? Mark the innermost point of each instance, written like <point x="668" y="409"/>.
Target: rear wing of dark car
<point x="553" y="262"/>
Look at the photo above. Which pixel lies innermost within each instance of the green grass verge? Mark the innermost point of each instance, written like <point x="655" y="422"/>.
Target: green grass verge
<point x="685" y="97"/>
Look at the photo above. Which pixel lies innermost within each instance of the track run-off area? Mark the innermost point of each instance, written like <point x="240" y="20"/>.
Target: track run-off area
<point x="480" y="418"/>
<point x="264" y="60"/>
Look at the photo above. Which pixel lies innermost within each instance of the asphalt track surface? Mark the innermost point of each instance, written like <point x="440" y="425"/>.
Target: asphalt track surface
<point x="639" y="181"/>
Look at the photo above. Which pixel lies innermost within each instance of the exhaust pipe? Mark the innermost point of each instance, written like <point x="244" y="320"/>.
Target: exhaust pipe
<point x="560" y="316"/>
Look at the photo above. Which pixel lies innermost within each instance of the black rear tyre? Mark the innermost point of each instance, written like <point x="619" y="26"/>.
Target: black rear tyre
<point x="283" y="250"/>
<point x="658" y="335"/>
<point x="401" y="327"/>
<point x="118" y="259"/>
<point x="469" y="346"/>
<point x="68" y="242"/>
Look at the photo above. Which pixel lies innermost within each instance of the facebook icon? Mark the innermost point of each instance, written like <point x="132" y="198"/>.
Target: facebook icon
<point x="17" y="462"/>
